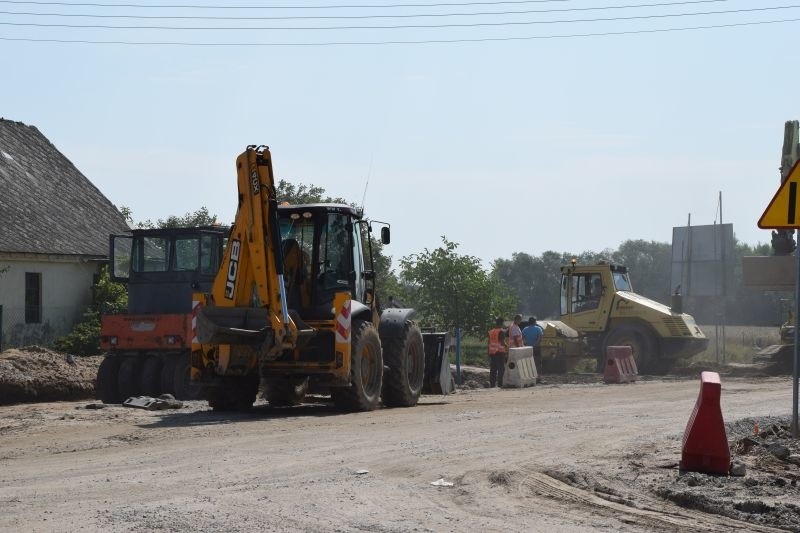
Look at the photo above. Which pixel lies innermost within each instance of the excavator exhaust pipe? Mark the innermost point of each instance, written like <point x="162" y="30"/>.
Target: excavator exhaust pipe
<point x="233" y="325"/>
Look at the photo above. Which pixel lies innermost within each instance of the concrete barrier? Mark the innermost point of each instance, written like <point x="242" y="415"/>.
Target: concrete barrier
<point x="705" y="443"/>
<point x="520" y="368"/>
<point x="620" y="365"/>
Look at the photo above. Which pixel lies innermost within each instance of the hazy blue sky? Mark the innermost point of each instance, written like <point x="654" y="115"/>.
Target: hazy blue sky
<point x="565" y="144"/>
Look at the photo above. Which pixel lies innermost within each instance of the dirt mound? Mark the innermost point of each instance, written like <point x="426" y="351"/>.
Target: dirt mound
<point x="33" y="373"/>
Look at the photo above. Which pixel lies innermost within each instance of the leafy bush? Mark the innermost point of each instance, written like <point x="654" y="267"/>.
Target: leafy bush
<point x="107" y="298"/>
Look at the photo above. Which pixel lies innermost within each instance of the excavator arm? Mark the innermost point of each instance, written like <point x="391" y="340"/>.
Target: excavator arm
<point x="247" y="302"/>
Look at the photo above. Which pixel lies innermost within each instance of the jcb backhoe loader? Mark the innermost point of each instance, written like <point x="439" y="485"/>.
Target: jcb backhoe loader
<point x="294" y="305"/>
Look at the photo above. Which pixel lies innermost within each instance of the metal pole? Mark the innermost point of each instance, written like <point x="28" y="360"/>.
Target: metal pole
<point x="796" y="351"/>
<point x="1" y="328"/>
<point x="458" y="355"/>
<point x="724" y="284"/>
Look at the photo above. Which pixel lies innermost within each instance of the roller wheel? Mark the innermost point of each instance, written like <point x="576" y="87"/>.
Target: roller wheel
<point x="643" y="347"/>
<point x="238" y="394"/>
<point x="405" y="357"/>
<point x="129" y="377"/>
<point x="185" y="388"/>
<point x="285" y="392"/>
<point x="150" y="384"/>
<point x="168" y="374"/>
<point x="107" y="389"/>
<point x="366" y="371"/>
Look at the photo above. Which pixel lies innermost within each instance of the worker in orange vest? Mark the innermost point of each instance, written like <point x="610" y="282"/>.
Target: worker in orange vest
<point x="498" y="353"/>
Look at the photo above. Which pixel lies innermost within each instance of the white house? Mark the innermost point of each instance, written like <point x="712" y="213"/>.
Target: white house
<point x="54" y="234"/>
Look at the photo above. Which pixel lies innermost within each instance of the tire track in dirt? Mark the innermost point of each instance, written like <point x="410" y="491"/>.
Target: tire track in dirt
<point x="647" y="511"/>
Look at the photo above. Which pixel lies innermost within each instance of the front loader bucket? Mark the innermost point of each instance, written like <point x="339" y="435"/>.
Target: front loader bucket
<point x="233" y="325"/>
<point x="438" y="378"/>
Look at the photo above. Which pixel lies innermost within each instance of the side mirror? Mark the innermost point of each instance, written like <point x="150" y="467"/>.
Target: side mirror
<point x="385" y="236"/>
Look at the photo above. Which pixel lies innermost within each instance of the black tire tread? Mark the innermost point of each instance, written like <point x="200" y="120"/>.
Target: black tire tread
<point x="168" y="373"/>
<point x="129" y="376"/>
<point x="398" y="389"/>
<point x="354" y="398"/>
<point x="648" y="359"/>
<point x="285" y="392"/>
<point x="185" y="389"/>
<point x="107" y="388"/>
<point x="150" y="384"/>
<point x="238" y="394"/>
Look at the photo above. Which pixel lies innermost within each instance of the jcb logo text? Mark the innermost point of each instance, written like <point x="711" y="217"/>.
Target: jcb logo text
<point x="233" y="269"/>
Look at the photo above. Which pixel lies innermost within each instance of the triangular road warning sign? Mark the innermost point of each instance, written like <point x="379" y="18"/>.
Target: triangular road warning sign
<point x="783" y="212"/>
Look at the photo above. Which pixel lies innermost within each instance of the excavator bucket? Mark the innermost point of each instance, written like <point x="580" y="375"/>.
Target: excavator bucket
<point x="233" y="325"/>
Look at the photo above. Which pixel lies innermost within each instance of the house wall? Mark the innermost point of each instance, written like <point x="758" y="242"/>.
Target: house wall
<point x="66" y="290"/>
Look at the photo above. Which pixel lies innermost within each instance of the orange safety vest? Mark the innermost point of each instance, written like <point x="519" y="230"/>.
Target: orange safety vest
<point x="495" y="346"/>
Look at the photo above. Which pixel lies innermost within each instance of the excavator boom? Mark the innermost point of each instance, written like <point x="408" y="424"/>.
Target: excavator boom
<point x="247" y="303"/>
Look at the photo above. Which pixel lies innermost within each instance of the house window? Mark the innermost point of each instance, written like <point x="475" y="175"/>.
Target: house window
<point x="33" y="297"/>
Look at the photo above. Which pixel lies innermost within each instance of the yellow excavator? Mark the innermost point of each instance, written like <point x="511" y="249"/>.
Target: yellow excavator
<point x="293" y="308"/>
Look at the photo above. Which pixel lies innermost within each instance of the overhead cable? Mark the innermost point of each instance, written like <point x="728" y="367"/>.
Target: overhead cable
<point x="398" y="26"/>
<point x="354" y="17"/>
<point x="426" y="41"/>
<point x="201" y="6"/>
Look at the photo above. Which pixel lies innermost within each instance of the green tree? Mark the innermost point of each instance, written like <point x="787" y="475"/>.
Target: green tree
<point x="534" y="280"/>
<point x="304" y="194"/>
<point x="201" y="217"/>
<point x="449" y="289"/>
<point x="649" y="267"/>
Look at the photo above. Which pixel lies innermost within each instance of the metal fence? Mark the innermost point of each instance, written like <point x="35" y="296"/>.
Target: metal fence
<point x="16" y="332"/>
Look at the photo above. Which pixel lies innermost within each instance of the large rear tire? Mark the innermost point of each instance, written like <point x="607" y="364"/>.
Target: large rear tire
<point x="129" y="376"/>
<point x="285" y="392"/>
<point x="150" y="384"/>
<point x="643" y="346"/>
<point x="237" y="394"/>
<point x="107" y="388"/>
<point x="366" y="371"/>
<point x="405" y="357"/>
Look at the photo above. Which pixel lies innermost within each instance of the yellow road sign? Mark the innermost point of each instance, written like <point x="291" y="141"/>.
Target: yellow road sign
<point x="783" y="212"/>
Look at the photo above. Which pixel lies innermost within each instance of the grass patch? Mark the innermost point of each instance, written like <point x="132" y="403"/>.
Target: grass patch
<point x="738" y="344"/>
<point x="474" y="352"/>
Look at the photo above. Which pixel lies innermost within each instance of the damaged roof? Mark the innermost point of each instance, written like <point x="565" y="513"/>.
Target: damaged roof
<point x="46" y="205"/>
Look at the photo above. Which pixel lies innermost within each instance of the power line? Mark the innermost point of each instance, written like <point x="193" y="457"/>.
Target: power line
<point x="353" y="17"/>
<point x="426" y="41"/>
<point x="200" y="6"/>
<point x="398" y="26"/>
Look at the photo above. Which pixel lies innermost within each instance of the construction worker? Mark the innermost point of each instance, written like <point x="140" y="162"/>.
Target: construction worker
<point x="532" y="335"/>
<point x="497" y="353"/>
<point x="515" y="333"/>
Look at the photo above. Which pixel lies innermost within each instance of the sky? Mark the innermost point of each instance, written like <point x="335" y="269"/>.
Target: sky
<point x="523" y="133"/>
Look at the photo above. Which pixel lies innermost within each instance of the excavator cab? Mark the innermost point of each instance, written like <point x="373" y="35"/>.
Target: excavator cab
<point x="324" y="253"/>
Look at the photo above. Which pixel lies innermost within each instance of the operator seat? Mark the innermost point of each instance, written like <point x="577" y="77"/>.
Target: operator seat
<point x="294" y="272"/>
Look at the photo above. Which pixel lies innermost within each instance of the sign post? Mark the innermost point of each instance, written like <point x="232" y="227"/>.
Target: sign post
<point x="784" y="213"/>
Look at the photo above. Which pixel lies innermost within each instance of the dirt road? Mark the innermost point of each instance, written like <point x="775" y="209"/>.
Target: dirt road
<point x="557" y="458"/>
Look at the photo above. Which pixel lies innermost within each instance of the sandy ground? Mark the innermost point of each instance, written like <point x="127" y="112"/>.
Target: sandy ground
<point x="556" y="457"/>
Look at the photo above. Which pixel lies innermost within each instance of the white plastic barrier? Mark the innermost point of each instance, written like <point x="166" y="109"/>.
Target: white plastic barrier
<point x="520" y="368"/>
